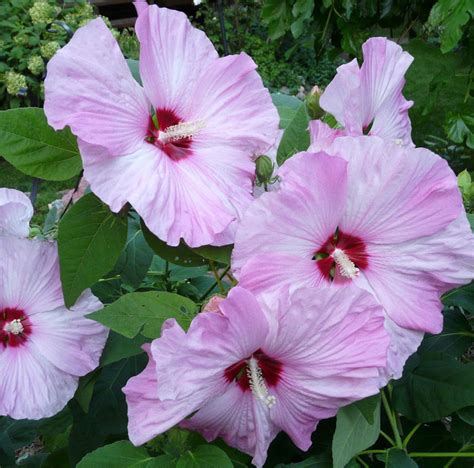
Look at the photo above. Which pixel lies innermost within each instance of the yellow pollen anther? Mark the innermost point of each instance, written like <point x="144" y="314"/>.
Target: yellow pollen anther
<point x="15" y="327"/>
<point x="257" y="383"/>
<point x="346" y="266"/>
<point x="181" y="131"/>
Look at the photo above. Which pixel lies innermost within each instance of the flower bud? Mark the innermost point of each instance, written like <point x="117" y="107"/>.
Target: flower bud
<point x="312" y="103"/>
<point x="15" y="83"/>
<point x="41" y="12"/>
<point x="264" y="169"/>
<point x="49" y="49"/>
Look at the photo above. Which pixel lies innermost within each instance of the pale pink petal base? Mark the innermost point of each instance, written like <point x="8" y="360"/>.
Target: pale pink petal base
<point x="16" y="212"/>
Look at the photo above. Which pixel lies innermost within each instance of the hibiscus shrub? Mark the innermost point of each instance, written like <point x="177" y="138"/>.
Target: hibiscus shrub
<point x="238" y="278"/>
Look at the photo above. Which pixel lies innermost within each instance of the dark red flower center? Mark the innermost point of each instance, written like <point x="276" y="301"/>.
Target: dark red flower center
<point x="167" y="131"/>
<point x="341" y="257"/>
<point x="240" y="371"/>
<point x="14" y="327"/>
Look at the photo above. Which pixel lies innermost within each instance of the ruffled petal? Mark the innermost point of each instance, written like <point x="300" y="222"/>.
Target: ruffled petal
<point x="29" y="275"/>
<point x="89" y="87"/>
<point x="31" y="387"/>
<point x="148" y="416"/>
<point x="16" y="212"/>
<point x="298" y="218"/>
<point x="191" y="199"/>
<point x="382" y="80"/>
<point x="332" y="345"/>
<point x="342" y="97"/>
<point x="395" y="193"/>
<point x="67" y="339"/>
<point x="235" y="106"/>
<point x="239" y="419"/>
<point x="322" y="136"/>
<point x="172" y="54"/>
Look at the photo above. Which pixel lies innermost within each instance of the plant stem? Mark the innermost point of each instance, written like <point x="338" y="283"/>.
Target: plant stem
<point x="216" y="276"/>
<point x="410" y="435"/>
<point x="387" y="437"/>
<point x="367" y="452"/>
<point x="214" y="284"/>
<point x="392" y="420"/>
<point x="362" y="462"/>
<point x="441" y="454"/>
<point x="453" y="459"/>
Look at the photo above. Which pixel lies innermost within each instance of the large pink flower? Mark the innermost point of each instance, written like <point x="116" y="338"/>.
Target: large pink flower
<point x="16" y="212"/>
<point x="385" y="217"/>
<point x="250" y="376"/>
<point x="44" y="347"/>
<point x="188" y="171"/>
<point x="368" y="100"/>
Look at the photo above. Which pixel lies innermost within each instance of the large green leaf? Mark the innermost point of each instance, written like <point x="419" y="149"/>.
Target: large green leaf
<point x="353" y="433"/>
<point x="433" y="386"/>
<point x="287" y="107"/>
<point x="90" y="240"/>
<point x="123" y="454"/>
<point x="369" y="407"/>
<point x="461" y="297"/>
<point x="217" y="254"/>
<point x="296" y="136"/>
<point x="205" y="456"/>
<point x="34" y="148"/>
<point x="451" y="16"/>
<point x="397" y="458"/>
<point x="145" y="312"/>
<point x="119" y="347"/>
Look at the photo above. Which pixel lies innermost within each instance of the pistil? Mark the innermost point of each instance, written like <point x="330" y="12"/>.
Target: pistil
<point x="14" y="327"/>
<point x="257" y="383"/>
<point x="180" y="131"/>
<point x="346" y="266"/>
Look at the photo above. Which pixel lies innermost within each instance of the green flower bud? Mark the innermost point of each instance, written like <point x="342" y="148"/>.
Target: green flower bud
<point x="20" y="39"/>
<point x="49" y="49"/>
<point x="15" y="83"/>
<point x="312" y="103"/>
<point x="41" y="12"/>
<point x="36" y="65"/>
<point x="264" y="169"/>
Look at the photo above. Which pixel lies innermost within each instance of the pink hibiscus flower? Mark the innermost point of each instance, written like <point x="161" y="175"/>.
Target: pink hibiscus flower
<point x="385" y="217"/>
<point x="368" y="100"/>
<point x="180" y="149"/>
<point x="43" y="345"/>
<point x="16" y="212"/>
<point x="248" y="376"/>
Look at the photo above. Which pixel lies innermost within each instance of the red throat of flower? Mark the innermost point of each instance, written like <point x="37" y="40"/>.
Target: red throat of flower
<point x="171" y="134"/>
<point x="257" y="374"/>
<point x="14" y="327"/>
<point x="341" y="257"/>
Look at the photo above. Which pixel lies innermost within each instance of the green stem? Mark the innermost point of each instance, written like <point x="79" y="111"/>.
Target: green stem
<point x="216" y="276"/>
<point x="441" y="454"/>
<point x="323" y="35"/>
<point x="368" y="452"/>
<point x="362" y="462"/>
<point x="410" y="435"/>
<point x="214" y="284"/>
<point x="453" y="459"/>
<point x="387" y="437"/>
<point x="392" y="420"/>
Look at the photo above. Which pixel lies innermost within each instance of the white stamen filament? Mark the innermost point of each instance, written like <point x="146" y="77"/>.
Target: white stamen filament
<point x="15" y="327"/>
<point x="257" y="383"/>
<point x="181" y="131"/>
<point x="346" y="266"/>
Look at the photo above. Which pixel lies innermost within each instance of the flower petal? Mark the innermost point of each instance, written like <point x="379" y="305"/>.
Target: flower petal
<point x="239" y="419"/>
<point x="67" y="339"/>
<point x="31" y="387"/>
<point x="322" y="135"/>
<point x="29" y="275"/>
<point x="299" y="217"/>
<point x="16" y="212"/>
<point x="172" y="54"/>
<point x="191" y="199"/>
<point x="89" y="87"/>
<point x="395" y="193"/>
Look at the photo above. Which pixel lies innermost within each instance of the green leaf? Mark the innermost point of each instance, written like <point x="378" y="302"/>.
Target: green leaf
<point x="90" y="240"/>
<point x="353" y="433"/>
<point x="459" y="128"/>
<point x="204" y="456"/>
<point x="433" y="386"/>
<point x="85" y="390"/>
<point x="145" y="312"/>
<point x="180" y="255"/>
<point x="451" y="16"/>
<point x="134" y="67"/>
<point x="322" y="460"/>
<point x="467" y="415"/>
<point x="287" y="107"/>
<point x="122" y="454"/>
<point x="216" y="254"/>
<point x="461" y="297"/>
<point x="119" y="347"/>
<point x="34" y="148"/>
<point x="368" y="407"/>
<point x="454" y="340"/>
<point x="397" y="458"/>
<point x="296" y="136"/>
